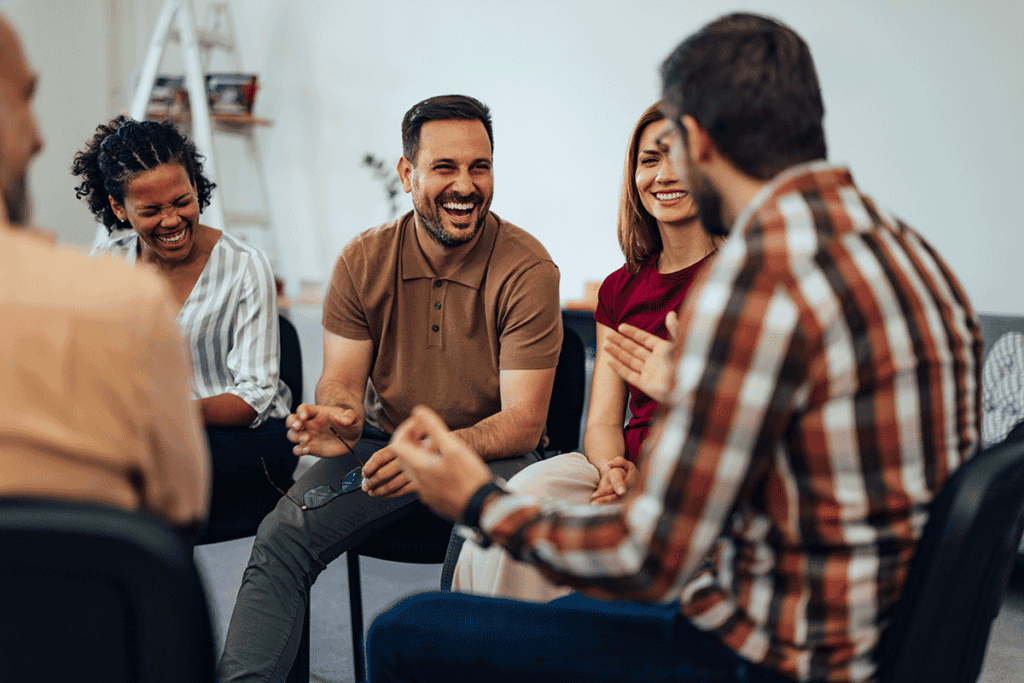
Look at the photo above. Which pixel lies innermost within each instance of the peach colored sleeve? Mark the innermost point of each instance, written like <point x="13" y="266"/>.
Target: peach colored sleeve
<point x="179" y="486"/>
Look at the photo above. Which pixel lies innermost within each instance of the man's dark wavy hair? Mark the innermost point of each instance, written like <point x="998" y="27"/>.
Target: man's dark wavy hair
<point x="124" y="148"/>
<point x="750" y="82"/>
<point x="441" y="108"/>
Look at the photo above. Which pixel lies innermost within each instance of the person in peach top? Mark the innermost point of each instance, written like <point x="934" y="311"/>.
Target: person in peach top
<point x="93" y="389"/>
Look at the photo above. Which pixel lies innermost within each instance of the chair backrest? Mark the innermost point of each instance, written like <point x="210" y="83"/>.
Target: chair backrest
<point x="90" y="593"/>
<point x="958" y="576"/>
<point x="994" y="326"/>
<point x="566" y="408"/>
<point x="291" y="360"/>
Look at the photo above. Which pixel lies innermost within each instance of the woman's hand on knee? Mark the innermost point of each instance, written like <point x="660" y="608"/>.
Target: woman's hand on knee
<point x="617" y="477"/>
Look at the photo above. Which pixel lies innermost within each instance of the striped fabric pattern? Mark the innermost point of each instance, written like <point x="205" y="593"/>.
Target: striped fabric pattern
<point x="230" y="324"/>
<point x="826" y="387"/>
<point x="1002" y="379"/>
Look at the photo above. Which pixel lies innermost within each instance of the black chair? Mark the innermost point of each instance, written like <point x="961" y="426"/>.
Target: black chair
<point x="231" y="517"/>
<point x="91" y="593"/>
<point x="291" y="360"/>
<point x="565" y="411"/>
<point x="959" y="573"/>
<point x="424" y="538"/>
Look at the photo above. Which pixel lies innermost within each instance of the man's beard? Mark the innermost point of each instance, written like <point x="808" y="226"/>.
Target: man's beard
<point x="16" y="200"/>
<point x="430" y="218"/>
<point x="709" y="204"/>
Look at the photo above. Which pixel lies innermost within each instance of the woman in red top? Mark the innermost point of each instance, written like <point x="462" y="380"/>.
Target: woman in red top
<point x="665" y="246"/>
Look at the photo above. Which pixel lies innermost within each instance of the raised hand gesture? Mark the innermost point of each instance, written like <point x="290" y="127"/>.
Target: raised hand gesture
<point x="642" y="359"/>
<point x="444" y="469"/>
<point x="323" y="431"/>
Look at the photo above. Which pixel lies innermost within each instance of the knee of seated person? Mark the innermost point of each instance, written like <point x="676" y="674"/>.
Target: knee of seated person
<point x="280" y="529"/>
<point x="281" y="542"/>
<point x="546" y="478"/>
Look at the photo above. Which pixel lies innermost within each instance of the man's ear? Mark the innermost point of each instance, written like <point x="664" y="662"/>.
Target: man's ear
<point x="405" y="174"/>
<point x="117" y="209"/>
<point x="700" y="149"/>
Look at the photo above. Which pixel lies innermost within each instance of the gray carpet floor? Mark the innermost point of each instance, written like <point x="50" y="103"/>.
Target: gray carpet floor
<point x="222" y="565"/>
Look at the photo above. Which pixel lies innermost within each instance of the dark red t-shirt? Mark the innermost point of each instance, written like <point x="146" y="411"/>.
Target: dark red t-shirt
<point x="642" y="300"/>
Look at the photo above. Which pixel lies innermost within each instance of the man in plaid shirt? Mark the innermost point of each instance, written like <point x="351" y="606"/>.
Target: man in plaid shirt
<point x="825" y="385"/>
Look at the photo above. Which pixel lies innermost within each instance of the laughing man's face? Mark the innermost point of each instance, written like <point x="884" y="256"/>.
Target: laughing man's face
<point x="452" y="181"/>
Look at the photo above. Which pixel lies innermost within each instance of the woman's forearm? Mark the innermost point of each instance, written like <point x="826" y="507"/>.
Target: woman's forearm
<point x="603" y="440"/>
<point x="602" y="443"/>
<point x="226" y="410"/>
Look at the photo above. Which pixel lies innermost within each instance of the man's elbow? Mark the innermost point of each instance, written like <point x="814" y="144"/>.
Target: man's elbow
<point x="531" y="430"/>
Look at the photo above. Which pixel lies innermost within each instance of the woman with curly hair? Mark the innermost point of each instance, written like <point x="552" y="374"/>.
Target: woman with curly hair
<point x="144" y="181"/>
<point x="665" y="246"/>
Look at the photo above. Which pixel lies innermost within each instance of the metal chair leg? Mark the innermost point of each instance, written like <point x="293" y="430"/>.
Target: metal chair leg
<point x="355" y="601"/>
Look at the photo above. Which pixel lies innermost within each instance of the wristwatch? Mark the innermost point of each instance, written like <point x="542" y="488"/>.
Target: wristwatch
<point x="470" y="527"/>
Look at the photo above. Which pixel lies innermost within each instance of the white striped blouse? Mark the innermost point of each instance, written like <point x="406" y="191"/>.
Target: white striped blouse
<point x="1002" y="388"/>
<point x="229" y="323"/>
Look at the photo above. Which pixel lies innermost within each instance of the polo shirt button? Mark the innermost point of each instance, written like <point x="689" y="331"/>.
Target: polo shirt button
<point x="436" y="328"/>
<point x="437" y="305"/>
<point x="438" y="283"/>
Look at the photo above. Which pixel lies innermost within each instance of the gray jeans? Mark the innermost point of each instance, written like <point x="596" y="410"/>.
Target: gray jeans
<point x="293" y="546"/>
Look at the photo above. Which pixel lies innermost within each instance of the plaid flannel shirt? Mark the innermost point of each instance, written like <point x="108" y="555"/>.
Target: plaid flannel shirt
<point x="827" y="385"/>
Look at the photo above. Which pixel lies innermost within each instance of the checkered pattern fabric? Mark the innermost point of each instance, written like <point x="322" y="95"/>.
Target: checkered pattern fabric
<point x="828" y="383"/>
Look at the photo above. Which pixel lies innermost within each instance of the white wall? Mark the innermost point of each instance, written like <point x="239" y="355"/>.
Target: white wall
<point x="66" y="44"/>
<point x="924" y="100"/>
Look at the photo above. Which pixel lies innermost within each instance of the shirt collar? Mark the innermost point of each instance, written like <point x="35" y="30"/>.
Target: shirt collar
<point x="134" y="244"/>
<point x="470" y="272"/>
<point x="817" y="167"/>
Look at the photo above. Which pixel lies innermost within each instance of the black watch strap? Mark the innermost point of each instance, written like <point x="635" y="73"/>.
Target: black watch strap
<point x="471" y="515"/>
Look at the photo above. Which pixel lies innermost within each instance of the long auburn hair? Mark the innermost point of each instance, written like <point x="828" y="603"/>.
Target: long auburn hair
<point x="639" y="237"/>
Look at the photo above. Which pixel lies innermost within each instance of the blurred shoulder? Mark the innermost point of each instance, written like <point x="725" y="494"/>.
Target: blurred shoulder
<point x="250" y="256"/>
<point x="380" y="239"/>
<point x="118" y="242"/>
<point x="514" y="241"/>
<point x="40" y="274"/>
<point x="618" y="278"/>
<point x="230" y="243"/>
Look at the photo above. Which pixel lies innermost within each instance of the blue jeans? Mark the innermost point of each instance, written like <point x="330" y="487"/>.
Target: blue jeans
<point x="459" y="637"/>
<point x="290" y="550"/>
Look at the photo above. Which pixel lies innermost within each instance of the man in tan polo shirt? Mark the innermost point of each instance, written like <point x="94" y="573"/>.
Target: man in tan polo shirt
<point x="94" y="402"/>
<point x="450" y="306"/>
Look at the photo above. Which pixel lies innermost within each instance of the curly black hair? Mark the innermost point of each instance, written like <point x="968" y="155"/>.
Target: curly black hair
<point x="124" y="148"/>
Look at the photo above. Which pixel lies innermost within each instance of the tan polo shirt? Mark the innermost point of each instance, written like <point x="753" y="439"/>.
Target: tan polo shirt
<point x="94" y="401"/>
<point x="443" y="341"/>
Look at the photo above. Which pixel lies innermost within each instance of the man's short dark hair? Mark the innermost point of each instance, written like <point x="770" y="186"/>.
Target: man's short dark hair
<point x="750" y="82"/>
<point x="441" y="108"/>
